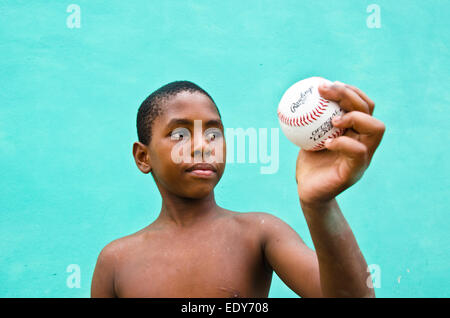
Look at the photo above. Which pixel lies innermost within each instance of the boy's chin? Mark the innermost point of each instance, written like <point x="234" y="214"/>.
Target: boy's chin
<point x="199" y="193"/>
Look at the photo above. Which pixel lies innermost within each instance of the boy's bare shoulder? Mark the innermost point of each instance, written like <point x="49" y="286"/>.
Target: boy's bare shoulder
<point x="256" y="217"/>
<point x="118" y="247"/>
<point x="260" y="221"/>
<point x="264" y="225"/>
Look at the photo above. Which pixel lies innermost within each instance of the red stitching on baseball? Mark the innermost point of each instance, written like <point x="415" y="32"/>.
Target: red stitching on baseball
<point x="320" y="108"/>
<point x="307" y="118"/>
<point x="319" y="145"/>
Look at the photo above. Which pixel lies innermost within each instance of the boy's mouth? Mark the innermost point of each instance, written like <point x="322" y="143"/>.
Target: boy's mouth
<point x="202" y="169"/>
<point x="202" y="173"/>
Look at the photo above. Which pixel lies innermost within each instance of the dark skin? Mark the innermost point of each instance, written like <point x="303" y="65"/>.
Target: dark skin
<point x="197" y="249"/>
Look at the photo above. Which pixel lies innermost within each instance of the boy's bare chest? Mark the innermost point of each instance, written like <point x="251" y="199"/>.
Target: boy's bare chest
<point x="217" y="266"/>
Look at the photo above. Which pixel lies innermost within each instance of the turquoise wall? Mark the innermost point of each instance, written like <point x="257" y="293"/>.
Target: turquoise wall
<point x="69" y="99"/>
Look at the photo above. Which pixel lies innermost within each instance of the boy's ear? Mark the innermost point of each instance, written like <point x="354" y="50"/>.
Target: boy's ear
<point x="142" y="157"/>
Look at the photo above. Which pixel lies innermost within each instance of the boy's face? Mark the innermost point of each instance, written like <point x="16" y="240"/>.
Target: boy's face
<point x="176" y="139"/>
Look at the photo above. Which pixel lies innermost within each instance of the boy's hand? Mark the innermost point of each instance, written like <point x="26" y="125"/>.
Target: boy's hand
<point x="322" y="175"/>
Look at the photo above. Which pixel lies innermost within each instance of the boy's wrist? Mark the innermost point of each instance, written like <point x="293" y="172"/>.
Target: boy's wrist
<point x="316" y="204"/>
<point x="317" y="207"/>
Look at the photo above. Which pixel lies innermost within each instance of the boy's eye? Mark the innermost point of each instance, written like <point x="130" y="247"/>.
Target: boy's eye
<point x="180" y="134"/>
<point x="212" y="134"/>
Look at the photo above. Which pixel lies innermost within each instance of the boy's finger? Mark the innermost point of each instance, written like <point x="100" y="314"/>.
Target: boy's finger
<point x="363" y="96"/>
<point x="348" y="146"/>
<point x="363" y="124"/>
<point x="347" y="98"/>
<point x="360" y="122"/>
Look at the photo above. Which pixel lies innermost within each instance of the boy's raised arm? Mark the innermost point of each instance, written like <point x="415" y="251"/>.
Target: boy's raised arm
<point x="338" y="267"/>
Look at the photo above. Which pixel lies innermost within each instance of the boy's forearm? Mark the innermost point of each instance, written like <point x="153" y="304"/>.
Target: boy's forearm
<point x="343" y="269"/>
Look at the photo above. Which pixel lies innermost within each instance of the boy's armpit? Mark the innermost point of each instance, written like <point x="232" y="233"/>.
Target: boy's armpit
<point x="294" y="262"/>
<point x="103" y="278"/>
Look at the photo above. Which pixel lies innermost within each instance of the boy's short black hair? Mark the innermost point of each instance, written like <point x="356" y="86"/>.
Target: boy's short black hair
<point x="152" y="106"/>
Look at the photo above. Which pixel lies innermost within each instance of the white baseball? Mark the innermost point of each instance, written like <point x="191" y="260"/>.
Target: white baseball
<point x="305" y="116"/>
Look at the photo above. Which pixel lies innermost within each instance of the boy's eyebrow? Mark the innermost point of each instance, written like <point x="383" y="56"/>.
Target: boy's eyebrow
<point x="183" y="121"/>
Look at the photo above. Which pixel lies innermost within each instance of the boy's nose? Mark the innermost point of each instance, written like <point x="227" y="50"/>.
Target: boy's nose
<point x="200" y="146"/>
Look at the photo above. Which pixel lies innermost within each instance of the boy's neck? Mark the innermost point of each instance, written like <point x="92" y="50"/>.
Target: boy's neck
<point x="185" y="212"/>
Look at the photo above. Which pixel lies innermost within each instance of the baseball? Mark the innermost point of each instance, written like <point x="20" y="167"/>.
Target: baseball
<point x="305" y="116"/>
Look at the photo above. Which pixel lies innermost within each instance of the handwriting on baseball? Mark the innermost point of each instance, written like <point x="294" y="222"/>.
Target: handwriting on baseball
<point x="302" y="99"/>
<point x="324" y="128"/>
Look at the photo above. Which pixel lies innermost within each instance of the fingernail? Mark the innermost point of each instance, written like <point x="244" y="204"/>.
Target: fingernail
<point x="328" y="141"/>
<point x="337" y="119"/>
<point x="325" y="85"/>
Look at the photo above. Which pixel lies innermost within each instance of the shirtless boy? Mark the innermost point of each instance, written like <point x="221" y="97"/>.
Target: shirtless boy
<point x="196" y="248"/>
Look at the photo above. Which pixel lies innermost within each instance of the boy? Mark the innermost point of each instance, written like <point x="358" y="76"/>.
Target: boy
<point x="197" y="249"/>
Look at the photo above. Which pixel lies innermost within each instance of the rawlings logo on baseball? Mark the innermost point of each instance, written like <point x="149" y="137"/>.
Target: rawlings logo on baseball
<point x="302" y="99"/>
<point x="310" y="125"/>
